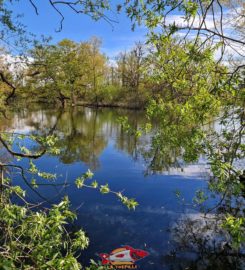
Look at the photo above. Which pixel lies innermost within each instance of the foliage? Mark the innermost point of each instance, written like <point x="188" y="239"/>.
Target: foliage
<point x="167" y="70"/>
<point x="32" y="237"/>
<point x="235" y="227"/>
<point x="39" y="240"/>
<point x="179" y="81"/>
<point x="66" y="71"/>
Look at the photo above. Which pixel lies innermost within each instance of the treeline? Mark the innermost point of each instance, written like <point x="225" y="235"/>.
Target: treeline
<point x="78" y="73"/>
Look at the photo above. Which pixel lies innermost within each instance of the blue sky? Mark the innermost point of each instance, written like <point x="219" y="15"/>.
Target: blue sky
<point x="79" y="27"/>
<point x="115" y="39"/>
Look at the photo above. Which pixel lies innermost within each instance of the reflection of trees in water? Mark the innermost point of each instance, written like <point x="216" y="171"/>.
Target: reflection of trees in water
<point x="83" y="134"/>
<point x="205" y="244"/>
<point x="86" y="133"/>
<point x="5" y="125"/>
<point x="5" y="157"/>
<point x="128" y="142"/>
<point x="168" y="148"/>
<point x="81" y="137"/>
<point x="174" y="145"/>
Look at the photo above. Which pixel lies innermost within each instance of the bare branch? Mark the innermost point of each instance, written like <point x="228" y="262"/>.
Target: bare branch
<point x="33" y="156"/>
<point x="34" y="6"/>
<point x="224" y="37"/>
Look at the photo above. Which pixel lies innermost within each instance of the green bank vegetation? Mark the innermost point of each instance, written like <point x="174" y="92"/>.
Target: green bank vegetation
<point x="71" y="73"/>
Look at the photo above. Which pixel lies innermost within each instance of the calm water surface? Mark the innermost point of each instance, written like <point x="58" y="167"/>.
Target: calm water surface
<point x="94" y="139"/>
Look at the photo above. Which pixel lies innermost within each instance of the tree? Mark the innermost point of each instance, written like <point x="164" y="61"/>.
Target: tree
<point x="66" y="70"/>
<point x="97" y="67"/>
<point x="130" y="67"/>
<point x="200" y="85"/>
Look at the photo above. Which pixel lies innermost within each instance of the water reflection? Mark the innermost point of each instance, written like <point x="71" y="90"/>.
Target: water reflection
<point x="84" y="133"/>
<point x="90" y="138"/>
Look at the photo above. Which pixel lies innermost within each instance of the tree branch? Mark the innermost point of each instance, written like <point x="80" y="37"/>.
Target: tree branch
<point x="21" y="154"/>
<point x="5" y="80"/>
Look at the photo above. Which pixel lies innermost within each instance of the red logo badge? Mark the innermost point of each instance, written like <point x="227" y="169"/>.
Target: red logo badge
<point x="123" y="258"/>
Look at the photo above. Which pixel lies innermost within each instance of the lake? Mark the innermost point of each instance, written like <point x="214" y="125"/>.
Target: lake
<point x="94" y="139"/>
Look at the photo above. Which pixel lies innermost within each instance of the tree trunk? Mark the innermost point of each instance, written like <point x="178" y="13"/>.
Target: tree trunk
<point x="1" y="183"/>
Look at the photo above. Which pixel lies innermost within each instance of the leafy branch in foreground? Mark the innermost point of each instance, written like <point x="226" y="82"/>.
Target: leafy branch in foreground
<point x="32" y="237"/>
<point x="39" y="240"/>
<point x="104" y="189"/>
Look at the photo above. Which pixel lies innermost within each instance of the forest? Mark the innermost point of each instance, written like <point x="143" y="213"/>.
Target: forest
<point x="86" y="76"/>
<point x="167" y="102"/>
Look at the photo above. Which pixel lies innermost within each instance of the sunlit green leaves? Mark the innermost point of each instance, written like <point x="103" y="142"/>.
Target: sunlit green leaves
<point x="35" y="171"/>
<point x="130" y="203"/>
<point x="32" y="169"/>
<point x="82" y="182"/>
<point x="70" y="69"/>
<point x="86" y="176"/>
<point x="79" y="182"/>
<point x="81" y="240"/>
<point x="43" y="233"/>
<point x="94" y="184"/>
<point x="235" y="226"/>
<point x="200" y="197"/>
<point x="104" y="189"/>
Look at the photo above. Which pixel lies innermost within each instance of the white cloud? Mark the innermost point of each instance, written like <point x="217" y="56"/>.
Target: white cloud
<point x="232" y="49"/>
<point x="15" y="63"/>
<point x="180" y="21"/>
